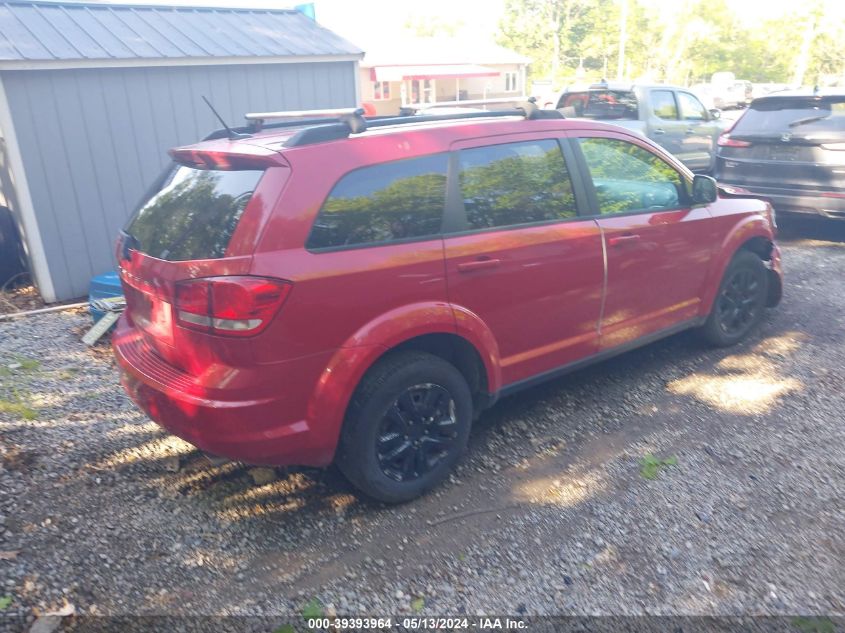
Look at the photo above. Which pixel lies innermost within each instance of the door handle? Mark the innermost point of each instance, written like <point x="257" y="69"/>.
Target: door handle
<point x="622" y="239"/>
<point x="659" y="130"/>
<point x="690" y="131"/>
<point x="478" y="264"/>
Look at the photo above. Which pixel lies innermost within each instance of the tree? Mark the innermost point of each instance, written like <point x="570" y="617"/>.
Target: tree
<point x="678" y="42"/>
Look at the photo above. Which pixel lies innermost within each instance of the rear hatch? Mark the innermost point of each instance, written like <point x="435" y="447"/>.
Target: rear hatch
<point x="787" y="142"/>
<point x="200" y="221"/>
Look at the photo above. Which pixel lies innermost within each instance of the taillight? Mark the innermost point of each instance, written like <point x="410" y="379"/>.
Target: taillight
<point x="725" y="140"/>
<point x="229" y="306"/>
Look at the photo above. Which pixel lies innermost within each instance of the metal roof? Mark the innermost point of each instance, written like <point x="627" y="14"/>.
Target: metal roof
<point x="70" y="31"/>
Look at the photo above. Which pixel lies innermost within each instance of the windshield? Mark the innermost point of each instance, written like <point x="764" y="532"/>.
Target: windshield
<point x="803" y="116"/>
<point x="600" y="104"/>
<point x="194" y="213"/>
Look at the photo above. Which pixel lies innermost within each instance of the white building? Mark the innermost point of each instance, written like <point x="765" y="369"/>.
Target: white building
<point x="427" y="71"/>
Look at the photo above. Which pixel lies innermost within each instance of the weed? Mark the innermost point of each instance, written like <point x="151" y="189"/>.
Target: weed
<point x="650" y="465"/>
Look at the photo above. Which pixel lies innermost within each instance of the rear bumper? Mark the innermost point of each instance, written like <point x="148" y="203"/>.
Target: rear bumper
<point x="797" y="200"/>
<point x="267" y="426"/>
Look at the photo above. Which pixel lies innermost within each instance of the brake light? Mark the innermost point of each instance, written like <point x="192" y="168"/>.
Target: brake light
<point x="229" y="306"/>
<point x="725" y="140"/>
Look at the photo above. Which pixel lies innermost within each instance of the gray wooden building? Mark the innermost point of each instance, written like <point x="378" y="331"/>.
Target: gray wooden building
<point x="93" y="95"/>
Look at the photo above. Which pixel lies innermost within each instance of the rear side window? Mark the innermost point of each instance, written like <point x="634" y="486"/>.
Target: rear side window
<point x="663" y="104"/>
<point x="193" y="214"/>
<point x="384" y="203"/>
<point x="515" y="183"/>
<point x="600" y="104"/>
<point x="798" y="116"/>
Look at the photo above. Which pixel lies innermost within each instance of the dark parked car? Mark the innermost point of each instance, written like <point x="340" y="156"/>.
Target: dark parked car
<point x="359" y="291"/>
<point x="670" y="116"/>
<point x="790" y="148"/>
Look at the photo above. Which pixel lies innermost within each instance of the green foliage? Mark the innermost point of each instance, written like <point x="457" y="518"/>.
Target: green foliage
<point x="17" y="406"/>
<point x="5" y="602"/>
<point x="314" y="609"/>
<point x="287" y="628"/>
<point x="418" y="604"/>
<point x="814" y="625"/>
<point x="650" y="465"/>
<point x="677" y="42"/>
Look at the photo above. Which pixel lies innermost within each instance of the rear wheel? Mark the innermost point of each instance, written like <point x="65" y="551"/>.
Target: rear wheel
<point x="740" y="302"/>
<point x="406" y="427"/>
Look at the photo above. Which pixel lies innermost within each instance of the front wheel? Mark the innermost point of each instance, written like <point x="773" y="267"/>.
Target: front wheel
<point x="407" y="426"/>
<point x="740" y="302"/>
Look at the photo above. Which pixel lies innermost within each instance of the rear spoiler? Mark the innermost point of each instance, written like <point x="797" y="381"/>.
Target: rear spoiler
<point x="225" y="156"/>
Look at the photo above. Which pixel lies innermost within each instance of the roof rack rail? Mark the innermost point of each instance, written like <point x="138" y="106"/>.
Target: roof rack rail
<point x="319" y="126"/>
<point x="353" y="116"/>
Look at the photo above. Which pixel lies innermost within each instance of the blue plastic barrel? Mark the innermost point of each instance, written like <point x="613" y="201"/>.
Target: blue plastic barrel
<point x="103" y="287"/>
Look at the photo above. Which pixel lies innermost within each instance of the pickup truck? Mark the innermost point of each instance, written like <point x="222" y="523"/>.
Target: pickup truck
<point x="670" y="116"/>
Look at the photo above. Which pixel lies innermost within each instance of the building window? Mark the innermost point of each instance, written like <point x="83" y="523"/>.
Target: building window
<point x="511" y="81"/>
<point x="381" y="90"/>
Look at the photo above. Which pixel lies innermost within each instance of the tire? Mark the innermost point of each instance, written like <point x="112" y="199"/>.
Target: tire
<point x="415" y="405"/>
<point x="740" y="301"/>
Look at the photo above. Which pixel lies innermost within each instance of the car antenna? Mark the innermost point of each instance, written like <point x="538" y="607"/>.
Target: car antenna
<point x="232" y="134"/>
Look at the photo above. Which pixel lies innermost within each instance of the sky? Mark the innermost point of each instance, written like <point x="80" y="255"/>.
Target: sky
<point x="364" y="22"/>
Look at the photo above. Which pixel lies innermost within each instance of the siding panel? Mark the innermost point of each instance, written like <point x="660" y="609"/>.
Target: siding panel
<point x="94" y="139"/>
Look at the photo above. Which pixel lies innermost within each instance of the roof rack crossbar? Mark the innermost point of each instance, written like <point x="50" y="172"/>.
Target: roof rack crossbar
<point x="353" y="116"/>
<point x="326" y="125"/>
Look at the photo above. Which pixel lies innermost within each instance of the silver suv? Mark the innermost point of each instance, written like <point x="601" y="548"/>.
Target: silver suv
<point x="670" y="116"/>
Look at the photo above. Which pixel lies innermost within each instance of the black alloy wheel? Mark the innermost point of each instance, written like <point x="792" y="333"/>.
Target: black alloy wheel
<point x="407" y="426"/>
<point x="739" y="302"/>
<point x="417" y="432"/>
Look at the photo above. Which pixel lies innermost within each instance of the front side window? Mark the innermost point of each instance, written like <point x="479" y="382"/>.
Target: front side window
<point x="691" y="108"/>
<point x="515" y="183"/>
<point x="629" y="178"/>
<point x="384" y="203"/>
<point x="663" y="104"/>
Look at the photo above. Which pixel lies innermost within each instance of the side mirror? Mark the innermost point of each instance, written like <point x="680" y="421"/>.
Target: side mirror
<point x="715" y="113"/>
<point x="704" y="190"/>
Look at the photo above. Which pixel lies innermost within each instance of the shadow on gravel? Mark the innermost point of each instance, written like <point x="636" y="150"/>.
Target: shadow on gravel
<point x="806" y="230"/>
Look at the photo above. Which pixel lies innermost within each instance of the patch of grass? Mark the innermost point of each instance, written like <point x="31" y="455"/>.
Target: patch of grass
<point x="19" y="408"/>
<point x="29" y="364"/>
<point x="650" y="465"/>
<point x="287" y="628"/>
<point x="314" y="609"/>
<point x="814" y="625"/>
<point x="5" y="602"/>
<point x="68" y="374"/>
<point x="418" y="604"/>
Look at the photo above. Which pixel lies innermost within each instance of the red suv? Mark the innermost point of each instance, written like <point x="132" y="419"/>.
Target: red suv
<point x="359" y="290"/>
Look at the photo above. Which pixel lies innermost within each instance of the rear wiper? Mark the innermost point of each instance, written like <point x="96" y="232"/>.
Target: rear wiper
<point x="808" y="120"/>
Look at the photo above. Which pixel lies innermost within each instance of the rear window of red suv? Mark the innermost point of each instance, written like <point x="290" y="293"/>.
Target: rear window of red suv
<point x="193" y="213"/>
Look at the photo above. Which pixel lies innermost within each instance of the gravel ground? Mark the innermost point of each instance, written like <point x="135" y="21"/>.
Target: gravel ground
<point x="553" y="511"/>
